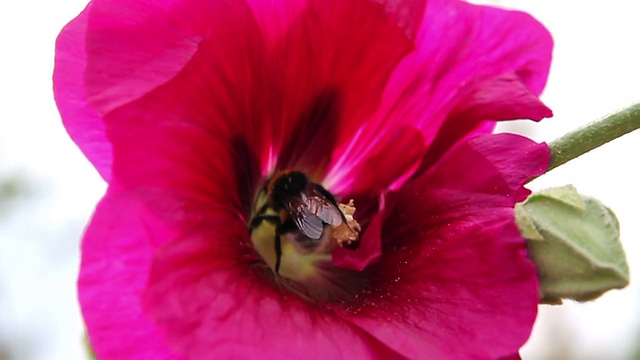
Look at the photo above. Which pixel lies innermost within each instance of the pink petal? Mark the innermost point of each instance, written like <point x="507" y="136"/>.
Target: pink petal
<point x="275" y="17"/>
<point x="407" y="13"/>
<point x="135" y="46"/>
<point x="504" y="97"/>
<point x="398" y="151"/>
<point x="330" y="75"/>
<point x="468" y="58"/>
<point x="454" y="280"/>
<point x="167" y="151"/>
<point x="210" y="55"/>
<point x="461" y="46"/>
<point x="512" y="357"/>
<point x="116" y="257"/>
<point x="368" y="251"/>
<point x="214" y="298"/>
<point x="451" y="133"/>
<point x="83" y="123"/>
<point x="201" y="139"/>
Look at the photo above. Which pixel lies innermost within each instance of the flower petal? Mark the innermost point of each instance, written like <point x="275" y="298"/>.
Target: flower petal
<point x="214" y="298"/>
<point x="398" y="151"/>
<point x="329" y="76"/>
<point x="275" y="17"/>
<point x="468" y="58"/>
<point x="368" y="251"/>
<point x="82" y="122"/>
<point x="211" y="53"/>
<point x="407" y="13"/>
<point x="503" y="97"/>
<point x="482" y="44"/>
<point x="171" y="155"/>
<point x="116" y="257"/>
<point x="133" y="47"/>
<point x="201" y="137"/>
<point x="454" y="264"/>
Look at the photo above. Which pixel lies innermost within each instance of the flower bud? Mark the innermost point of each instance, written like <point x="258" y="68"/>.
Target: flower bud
<point x="575" y="243"/>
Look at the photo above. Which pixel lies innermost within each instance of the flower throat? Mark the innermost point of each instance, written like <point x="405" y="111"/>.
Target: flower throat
<point x="296" y="223"/>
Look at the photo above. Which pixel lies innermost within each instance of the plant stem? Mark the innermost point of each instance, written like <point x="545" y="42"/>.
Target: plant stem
<point x="591" y="136"/>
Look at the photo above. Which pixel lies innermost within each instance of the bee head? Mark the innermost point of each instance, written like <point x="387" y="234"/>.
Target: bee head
<point x="292" y="183"/>
<point x="287" y="184"/>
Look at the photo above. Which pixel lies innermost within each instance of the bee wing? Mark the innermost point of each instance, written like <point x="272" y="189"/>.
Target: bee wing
<point x="310" y="224"/>
<point x="311" y="212"/>
<point x="318" y="205"/>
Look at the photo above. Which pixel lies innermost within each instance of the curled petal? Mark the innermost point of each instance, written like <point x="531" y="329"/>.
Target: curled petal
<point x="503" y="97"/>
<point x="483" y="43"/>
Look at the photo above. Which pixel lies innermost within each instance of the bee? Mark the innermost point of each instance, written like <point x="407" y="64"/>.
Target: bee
<point x="302" y="210"/>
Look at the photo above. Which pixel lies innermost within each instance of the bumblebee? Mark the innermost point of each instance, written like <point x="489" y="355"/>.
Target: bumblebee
<point x="305" y="212"/>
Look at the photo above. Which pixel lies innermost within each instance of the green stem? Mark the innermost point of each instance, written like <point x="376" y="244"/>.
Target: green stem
<point x="593" y="135"/>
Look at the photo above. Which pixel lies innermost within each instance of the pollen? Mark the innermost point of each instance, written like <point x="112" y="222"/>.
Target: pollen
<point x="346" y="233"/>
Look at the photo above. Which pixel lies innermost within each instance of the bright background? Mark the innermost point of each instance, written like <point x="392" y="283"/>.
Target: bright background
<point x="48" y="189"/>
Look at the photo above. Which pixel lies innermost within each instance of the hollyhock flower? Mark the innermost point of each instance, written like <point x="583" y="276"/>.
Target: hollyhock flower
<point x="188" y="107"/>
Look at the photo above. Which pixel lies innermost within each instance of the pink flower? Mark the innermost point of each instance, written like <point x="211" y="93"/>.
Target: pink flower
<point x="186" y="107"/>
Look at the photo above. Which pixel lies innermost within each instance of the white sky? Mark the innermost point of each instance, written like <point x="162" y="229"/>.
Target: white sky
<point x="595" y="71"/>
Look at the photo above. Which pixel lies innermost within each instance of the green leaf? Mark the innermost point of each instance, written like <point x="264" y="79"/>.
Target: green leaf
<point x="575" y="243"/>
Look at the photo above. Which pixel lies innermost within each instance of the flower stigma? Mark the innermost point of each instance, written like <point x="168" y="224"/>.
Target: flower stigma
<point x="296" y="224"/>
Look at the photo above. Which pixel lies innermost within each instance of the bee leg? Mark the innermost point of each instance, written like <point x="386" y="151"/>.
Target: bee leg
<point x="278" y="245"/>
<point x="282" y="228"/>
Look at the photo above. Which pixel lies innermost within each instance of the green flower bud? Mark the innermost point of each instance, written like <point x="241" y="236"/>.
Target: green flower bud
<point x="575" y="243"/>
